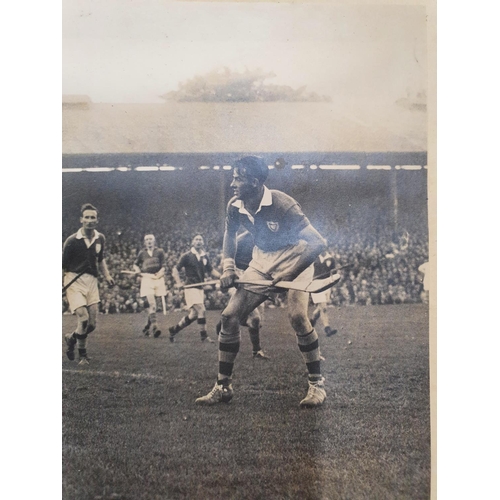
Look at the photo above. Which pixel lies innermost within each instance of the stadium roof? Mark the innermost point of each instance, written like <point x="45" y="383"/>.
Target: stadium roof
<point x="196" y="127"/>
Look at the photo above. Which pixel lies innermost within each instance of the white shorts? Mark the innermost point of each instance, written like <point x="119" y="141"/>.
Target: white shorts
<point x="83" y="292"/>
<point x="320" y="298"/>
<point x="194" y="296"/>
<point x="152" y="286"/>
<point x="264" y="265"/>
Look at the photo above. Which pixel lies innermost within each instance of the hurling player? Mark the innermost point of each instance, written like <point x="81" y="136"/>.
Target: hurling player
<point x="286" y="245"/>
<point x="196" y="265"/>
<point x="150" y="263"/>
<point x="83" y="257"/>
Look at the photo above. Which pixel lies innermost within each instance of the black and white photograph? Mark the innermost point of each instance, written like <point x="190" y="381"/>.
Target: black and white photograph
<point x="248" y="250"/>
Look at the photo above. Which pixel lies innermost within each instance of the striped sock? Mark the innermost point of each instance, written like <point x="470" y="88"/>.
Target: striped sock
<point x="81" y="341"/>
<point x="229" y="345"/>
<point x="203" y="329"/>
<point x="254" y="338"/>
<point x="152" y="318"/>
<point x="309" y="348"/>
<point x="185" y="321"/>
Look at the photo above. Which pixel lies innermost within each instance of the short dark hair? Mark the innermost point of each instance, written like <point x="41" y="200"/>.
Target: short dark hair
<point x="88" y="206"/>
<point x="253" y="166"/>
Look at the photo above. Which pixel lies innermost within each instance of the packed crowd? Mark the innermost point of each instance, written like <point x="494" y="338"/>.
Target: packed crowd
<point x="381" y="271"/>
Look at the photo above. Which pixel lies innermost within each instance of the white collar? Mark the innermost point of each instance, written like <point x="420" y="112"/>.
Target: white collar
<point x="198" y="255"/>
<point x="266" y="201"/>
<point x="322" y="259"/>
<point x="80" y="235"/>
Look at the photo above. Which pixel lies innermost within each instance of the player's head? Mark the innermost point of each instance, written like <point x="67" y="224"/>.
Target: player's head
<point x="149" y="240"/>
<point x="252" y="166"/>
<point x="87" y="206"/>
<point x="249" y="174"/>
<point x="198" y="242"/>
<point x="88" y="216"/>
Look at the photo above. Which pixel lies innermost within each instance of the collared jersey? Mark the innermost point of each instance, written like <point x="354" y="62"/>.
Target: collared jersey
<point x="276" y="224"/>
<point x="323" y="265"/>
<point x="150" y="263"/>
<point x="83" y="255"/>
<point x="195" y="265"/>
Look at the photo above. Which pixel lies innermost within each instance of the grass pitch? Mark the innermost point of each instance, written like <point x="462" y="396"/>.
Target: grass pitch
<point x="131" y="429"/>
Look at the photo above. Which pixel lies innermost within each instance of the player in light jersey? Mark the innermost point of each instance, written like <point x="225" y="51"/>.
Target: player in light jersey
<point x="83" y="258"/>
<point x="245" y="244"/>
<point x="286" y="245"/>
<point x="196" y="265"/>
<point x="150" y="262"/>
<point x="323" y="265"/>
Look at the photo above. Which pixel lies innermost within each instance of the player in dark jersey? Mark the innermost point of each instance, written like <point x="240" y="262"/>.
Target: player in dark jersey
<point x="150" y="263"/>
<point x="286" y="245"/>
<point x="83" y="258"/>
<point x="323" y="266"/>
<point x="197" y="266"/>
<point x="245" y="244"/>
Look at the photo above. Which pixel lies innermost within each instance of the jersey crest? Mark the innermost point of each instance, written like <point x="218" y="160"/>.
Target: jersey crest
<point x="98" y="248"/>
<point x="273" y="226"/>
<point x="204" y="260"/>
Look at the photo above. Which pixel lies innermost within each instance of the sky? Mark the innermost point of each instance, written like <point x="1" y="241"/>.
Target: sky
<point x="135" y="51"/>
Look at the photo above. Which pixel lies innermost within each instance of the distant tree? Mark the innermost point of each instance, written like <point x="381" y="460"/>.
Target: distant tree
<point x="225" y="85"/>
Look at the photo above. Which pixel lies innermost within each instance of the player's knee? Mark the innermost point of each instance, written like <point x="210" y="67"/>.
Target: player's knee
<point x="82" y="314"/>
<point x="299" y="322"/>
<point x="90" y="328"/>
<point x="230" y="322"/>
<point x="253" y="322"/>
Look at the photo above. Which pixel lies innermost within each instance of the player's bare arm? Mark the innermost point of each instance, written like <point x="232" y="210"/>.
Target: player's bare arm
<point x="315" y="245"/>
<point x="177" y="277"/>
<point x="228" y="261"/>
<point x="103" y="267"/>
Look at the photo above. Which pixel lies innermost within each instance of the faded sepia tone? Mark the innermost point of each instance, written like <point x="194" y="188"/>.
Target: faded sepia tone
<point x="160" y="99"/>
